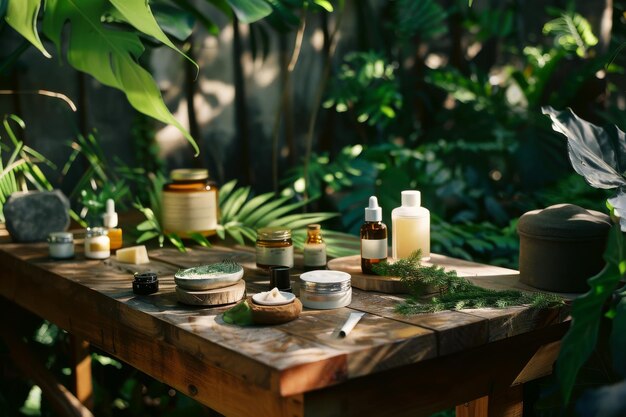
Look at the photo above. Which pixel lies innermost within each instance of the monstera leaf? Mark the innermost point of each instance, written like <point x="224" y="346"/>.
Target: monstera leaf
<point x="109" y="54"/>
<point x="22" y="16"/>
<point x="597" y="154"/>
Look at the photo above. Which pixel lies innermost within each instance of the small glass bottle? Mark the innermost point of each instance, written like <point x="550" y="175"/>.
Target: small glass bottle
<point x="274" y="247"/>
<point x="410" y="224"/>
<point x="97" y="243"/>
<point x="110" y="220"/>
<point x="373" y="238"/>
<point x="190" y="203"/>
<point x="314" y="249"/>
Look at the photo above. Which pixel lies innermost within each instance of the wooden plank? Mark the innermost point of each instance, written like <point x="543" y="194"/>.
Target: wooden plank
<point x="430" y="386"/>
<point x="80" y="364"/>
<point x="475" y="408"/>
<point x="540" y="364"/>
<point x="60" y="399"/>
<point x="263" y="345"/>
<point x="455" y="331"/>
<point x="393" y="285"/>
<point x="507" y="402"/>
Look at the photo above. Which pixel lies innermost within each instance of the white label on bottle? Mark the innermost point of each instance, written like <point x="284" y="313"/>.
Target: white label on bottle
<point x="374" y="248"/>
<point x="282" y="256"/>
<point x="314" y="254"/>
<point x="189" y="212"/>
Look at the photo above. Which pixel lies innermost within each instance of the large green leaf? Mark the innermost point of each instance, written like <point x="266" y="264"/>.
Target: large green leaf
<point x="597" y="154"/>
<point x="22" y="16"/>
<point x="249" y="11"/>
<point x="138" y="14"/>
<point x="618" y="337"/>
<point x="582" y="336"/>
<point x="108" y="54"/>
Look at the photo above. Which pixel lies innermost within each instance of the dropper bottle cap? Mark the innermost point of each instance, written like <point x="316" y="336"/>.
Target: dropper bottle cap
<point x="110" y="217"/>
<point x="373" y="213"/>
<point x="411" y="198"/>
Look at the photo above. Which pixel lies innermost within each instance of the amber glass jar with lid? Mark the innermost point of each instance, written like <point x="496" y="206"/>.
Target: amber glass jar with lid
<point x="274" y="247"/>
<point x="190" y="203"/>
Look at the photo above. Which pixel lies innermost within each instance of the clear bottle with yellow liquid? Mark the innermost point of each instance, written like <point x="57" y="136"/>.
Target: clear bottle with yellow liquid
<point x="410" y="227"/>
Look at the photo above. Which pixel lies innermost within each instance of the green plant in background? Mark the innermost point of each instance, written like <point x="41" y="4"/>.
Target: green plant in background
<point x="599" y="155"/>
<point x="453" y="292"/>
<point x="241" y="215"/>
<point x="20" y="168"/>
<point x="365" y="85"/>
<point x="97" y="183"/>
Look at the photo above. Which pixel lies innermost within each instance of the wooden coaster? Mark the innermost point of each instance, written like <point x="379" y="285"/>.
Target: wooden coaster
<point x="214" y="297"/>
<point x="275" y="314"/>
<point x="393" y="285"/>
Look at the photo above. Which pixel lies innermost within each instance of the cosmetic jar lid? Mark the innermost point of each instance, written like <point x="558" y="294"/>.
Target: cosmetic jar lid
<point x="145" y="277"/>
<point x="186" y="174"/>
<point x="96" y="231"/>
<point x="325" y="281"/>
<point x="274" y="233"/>
<point x="60" y="237"/>
<point x="279" y="278"/>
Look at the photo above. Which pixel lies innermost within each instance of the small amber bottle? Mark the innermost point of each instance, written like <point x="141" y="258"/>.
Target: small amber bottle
<point x="373" y="237"/>
<point x="190" y="203"/>
<point x="314" y="249"/>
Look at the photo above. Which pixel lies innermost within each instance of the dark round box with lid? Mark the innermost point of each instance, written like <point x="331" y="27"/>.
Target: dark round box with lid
<point x="561" y="247"/>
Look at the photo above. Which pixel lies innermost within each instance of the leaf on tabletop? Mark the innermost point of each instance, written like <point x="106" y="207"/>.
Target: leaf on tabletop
<point x="599" y="155"/>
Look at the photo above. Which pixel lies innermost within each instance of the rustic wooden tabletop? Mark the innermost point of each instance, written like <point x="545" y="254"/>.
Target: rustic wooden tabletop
<point x="389" y="364"/>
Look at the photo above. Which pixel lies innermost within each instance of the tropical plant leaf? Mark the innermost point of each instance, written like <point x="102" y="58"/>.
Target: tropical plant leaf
<point x="22" y="16"/>
<point x="618" y="337"/>
<point x="200" y="240"/>
<point x="225" y="191"/>
<point x="597" y="154"/>
<point x="581" y="338"/>
<point x="249" y="11"/>
<point x="572" y="32"/>
<point x="109" y="55"/>
<point x="139" y="15"/>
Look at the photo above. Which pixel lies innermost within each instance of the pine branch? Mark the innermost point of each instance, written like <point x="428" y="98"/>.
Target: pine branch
<point x="455" y="293"/>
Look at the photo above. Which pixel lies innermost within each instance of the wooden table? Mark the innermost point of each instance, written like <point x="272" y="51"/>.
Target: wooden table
<point x="390" y="365"/>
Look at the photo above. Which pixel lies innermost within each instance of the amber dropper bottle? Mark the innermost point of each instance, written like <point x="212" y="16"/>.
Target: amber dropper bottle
<point x="373" y="237"/>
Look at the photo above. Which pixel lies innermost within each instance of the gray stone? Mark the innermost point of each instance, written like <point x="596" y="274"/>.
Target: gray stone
<point x="31" y="215"/>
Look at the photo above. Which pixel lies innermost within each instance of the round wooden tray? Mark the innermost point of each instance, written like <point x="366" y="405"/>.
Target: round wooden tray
<point x="275" y="314"/>
<point x="214" y="297"/>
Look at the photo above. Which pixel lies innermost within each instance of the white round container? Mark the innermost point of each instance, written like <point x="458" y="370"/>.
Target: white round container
<point x="61" y="245"/>
<point x="97" y="243"/>
<point x="325" y="289"/>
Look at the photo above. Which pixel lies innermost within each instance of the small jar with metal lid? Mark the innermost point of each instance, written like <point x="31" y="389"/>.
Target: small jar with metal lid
<point x="61" y="245"/>
<point x="190" y="203"/>
<point x="274" y="247"/>
<point x="97" y="243"/>
<point x="325" y="289"/>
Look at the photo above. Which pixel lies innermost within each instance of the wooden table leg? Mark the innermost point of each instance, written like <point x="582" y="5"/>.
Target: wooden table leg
<point x="80" y="362"/>
<point x="476" y="408"/>
<point x="506" y="403"/>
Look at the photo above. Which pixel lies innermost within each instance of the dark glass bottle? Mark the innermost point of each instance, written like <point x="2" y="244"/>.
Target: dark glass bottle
<point x="373" y="238"/>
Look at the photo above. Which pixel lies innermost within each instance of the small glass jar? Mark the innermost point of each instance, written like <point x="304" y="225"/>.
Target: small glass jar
<point x="97" y="243"/>
<point x="190" y="203"/>
<point x="325" y="289"/>
<point x="61" y="245"/>
<point x="274" y="247"/>
<point x="145" y="283"/>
